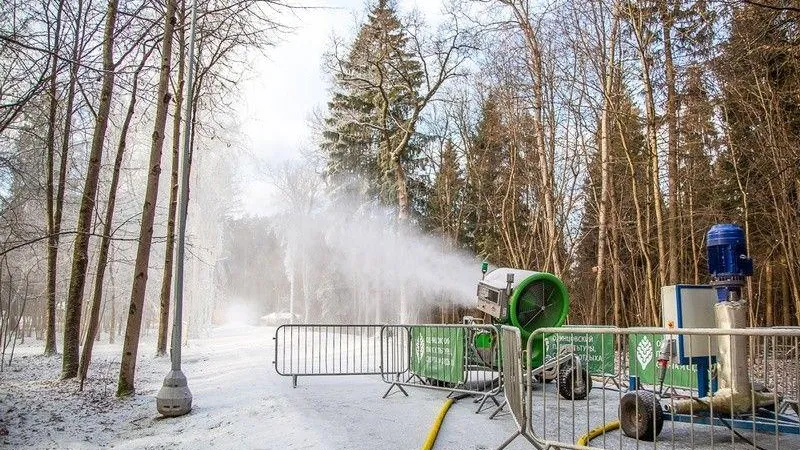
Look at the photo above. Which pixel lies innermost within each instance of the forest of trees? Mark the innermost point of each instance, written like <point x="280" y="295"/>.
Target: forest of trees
<point x="91" y="97"/>
<point x="597" y="140"/>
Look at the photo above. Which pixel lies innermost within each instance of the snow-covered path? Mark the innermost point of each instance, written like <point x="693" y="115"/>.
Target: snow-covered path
<point x="239" y="402"/>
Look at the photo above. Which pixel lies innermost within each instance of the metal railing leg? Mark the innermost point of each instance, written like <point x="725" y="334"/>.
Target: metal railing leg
<point x="294" y="381"/>
<point x="392" y="387"/>
<point x="532" y="441"/>
<point x="509" y="440"/>
<point x="499" y="408"/>
<point x="483" y="402"/>
<point x="517" y="434"/>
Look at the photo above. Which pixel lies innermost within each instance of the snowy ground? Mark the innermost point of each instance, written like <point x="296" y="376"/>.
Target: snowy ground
<point x="240" y="402"/>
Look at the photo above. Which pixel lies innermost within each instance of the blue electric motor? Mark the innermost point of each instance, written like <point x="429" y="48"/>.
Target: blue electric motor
<point x="728" y="263"/>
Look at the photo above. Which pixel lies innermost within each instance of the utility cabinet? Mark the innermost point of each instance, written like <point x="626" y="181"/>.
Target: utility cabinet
<point x="690" y="306"/>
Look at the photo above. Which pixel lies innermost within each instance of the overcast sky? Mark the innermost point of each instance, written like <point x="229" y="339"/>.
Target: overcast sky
<point x="288" y="85"/>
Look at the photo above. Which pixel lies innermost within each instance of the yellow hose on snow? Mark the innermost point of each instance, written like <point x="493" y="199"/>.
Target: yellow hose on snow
<point x="434" y="431"/>
<point x="584" y="440"/>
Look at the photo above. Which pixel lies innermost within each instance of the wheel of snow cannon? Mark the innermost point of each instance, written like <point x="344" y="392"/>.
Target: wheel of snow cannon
<point x="640" y="415"/>
<point x="567" y="379"/>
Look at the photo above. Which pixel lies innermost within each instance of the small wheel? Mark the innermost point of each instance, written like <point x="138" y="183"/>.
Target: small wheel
<point x="571" y="386"/>
<point x="640" y="415"/>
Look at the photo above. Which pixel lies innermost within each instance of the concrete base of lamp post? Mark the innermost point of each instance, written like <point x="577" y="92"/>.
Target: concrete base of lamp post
<point x="174" y="399"/>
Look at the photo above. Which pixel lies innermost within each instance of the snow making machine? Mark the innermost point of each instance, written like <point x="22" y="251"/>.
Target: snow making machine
<point x="531" y="300"/>
<point x="725" y="394"/>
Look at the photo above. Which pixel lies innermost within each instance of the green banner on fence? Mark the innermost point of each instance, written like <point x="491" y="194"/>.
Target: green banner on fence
<point x="643" y="353"/>
<point x="438" y="353"/>
<point x="597" y="348"/>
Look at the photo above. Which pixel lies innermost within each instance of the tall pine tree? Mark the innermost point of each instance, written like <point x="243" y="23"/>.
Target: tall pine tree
<point x="374" y="108"/>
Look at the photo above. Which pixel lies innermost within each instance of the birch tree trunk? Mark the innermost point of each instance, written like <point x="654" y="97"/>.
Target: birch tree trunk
<point x="615" y="262"/>
<point x="667" y="17"/>
<point x="640" y="232"/>
<point x="130" y="347"/>
<point x="52" y="241"/>
<point x="655" y="184"/>
<point x="769" y="316"/>
<point x="521" y="11"/>
<point x="786" y="308"/>
<point x="105" y="243"/>
<point x="80" y="257"/>
<point x="608" y="66"/>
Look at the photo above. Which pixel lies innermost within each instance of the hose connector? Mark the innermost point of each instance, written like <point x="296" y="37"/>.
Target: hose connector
<point x="665" y="355"/>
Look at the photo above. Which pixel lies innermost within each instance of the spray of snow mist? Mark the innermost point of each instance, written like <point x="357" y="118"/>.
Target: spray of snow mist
<point x="349" y="260"/>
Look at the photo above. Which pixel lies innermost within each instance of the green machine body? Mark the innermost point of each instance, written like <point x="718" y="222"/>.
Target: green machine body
<point x="526" y="300"/>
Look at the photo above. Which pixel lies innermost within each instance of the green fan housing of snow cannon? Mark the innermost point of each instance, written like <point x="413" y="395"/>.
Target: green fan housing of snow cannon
<point x="536" y="300"/>
<point x="539" y="301"/>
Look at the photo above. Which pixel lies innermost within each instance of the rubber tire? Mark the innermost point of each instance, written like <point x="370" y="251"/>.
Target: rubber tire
<point x="647" y="424"/>
<point x="565" y="377"/>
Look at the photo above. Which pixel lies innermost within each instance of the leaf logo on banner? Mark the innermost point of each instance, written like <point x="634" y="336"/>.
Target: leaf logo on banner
<point x="420" y="348"/>
<point x="644" y="352"/>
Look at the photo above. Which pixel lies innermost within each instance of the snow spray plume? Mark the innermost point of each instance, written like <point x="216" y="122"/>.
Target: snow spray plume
<point x="347" y="259"/>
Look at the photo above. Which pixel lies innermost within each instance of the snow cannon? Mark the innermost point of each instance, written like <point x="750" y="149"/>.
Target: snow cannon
<point x="524" y="299"/>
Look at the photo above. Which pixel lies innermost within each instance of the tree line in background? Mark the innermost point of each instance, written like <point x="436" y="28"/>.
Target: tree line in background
<point x="91" y="102"/>
<point x="598" y="140"/>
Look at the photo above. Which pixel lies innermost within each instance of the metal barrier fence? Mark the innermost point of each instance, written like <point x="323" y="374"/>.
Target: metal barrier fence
<point x="514" y="383"/>
<point x="696" y="408"/>
<point x="327" y="349"/>
<point x="463" y="358"/>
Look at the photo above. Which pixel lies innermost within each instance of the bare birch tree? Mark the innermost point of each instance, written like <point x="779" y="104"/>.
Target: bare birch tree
<point x="130" y="347"/>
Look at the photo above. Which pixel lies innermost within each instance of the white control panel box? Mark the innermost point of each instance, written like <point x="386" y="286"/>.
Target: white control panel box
<point x="690" y="306"/>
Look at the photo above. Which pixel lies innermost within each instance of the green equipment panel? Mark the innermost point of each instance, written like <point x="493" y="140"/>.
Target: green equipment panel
<point x="643" y="354"/>
<point x="438" y="353"/>
<point x="597" y="349"/>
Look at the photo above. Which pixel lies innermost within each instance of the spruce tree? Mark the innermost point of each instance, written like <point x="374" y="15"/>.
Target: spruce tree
<point x="375" y="93"/>
<point x="484" y="165"/>
<point x="446" y="205"/>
